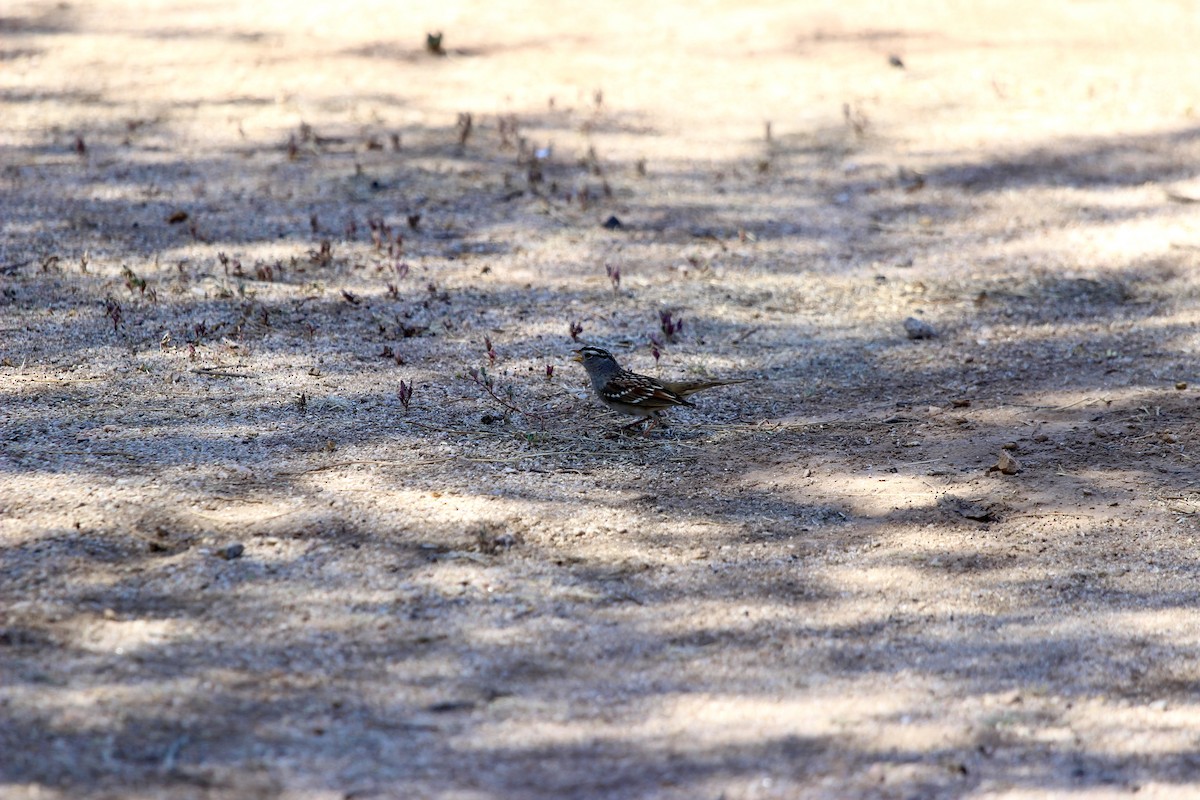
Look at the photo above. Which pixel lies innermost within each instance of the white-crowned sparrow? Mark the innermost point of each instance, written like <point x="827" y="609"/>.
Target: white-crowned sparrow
<point x="631" y="393"/>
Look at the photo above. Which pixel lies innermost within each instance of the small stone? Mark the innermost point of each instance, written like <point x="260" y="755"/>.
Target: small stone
<point x="1181" y="385"/>
<point x="972" y="511"/>
<point x="231" y="551"/>
<point x="1006" y="464"/>
<point x="612" y="223"/>
<point x="451" y="706"/>
<point x="918" y="329"/>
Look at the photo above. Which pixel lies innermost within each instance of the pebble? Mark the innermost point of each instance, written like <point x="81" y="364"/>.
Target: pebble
<point x="918" y="329"/>
<point x="1007" y="464"/>
<point x="231" y="551"/>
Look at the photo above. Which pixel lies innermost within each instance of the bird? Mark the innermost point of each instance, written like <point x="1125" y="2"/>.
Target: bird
<point x="638" y="395"/>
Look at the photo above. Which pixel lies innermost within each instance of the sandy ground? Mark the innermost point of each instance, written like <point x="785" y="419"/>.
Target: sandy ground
<point x="301" y="496"/>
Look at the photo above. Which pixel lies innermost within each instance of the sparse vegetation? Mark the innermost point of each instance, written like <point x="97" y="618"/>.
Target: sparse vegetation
<point x="241" y="555"/>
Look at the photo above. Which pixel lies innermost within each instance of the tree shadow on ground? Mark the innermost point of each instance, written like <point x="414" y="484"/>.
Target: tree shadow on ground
<point x="436" y="644"/>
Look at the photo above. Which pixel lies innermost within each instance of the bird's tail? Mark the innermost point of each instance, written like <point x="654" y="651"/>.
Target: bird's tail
<point x="685" y="388"/>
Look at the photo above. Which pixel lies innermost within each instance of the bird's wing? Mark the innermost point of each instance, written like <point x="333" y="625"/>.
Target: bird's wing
<point x="641" y="391"/>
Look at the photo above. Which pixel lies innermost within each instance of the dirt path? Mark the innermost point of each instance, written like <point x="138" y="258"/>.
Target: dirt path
<point x="237" y="559"/>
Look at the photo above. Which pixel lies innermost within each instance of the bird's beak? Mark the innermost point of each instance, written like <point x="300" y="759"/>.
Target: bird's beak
<point x="578" y="356"/>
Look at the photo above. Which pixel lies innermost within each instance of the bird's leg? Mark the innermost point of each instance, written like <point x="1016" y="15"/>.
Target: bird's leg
<point x="650" y="422"/>
<point x="629" y="428"/>
<point x="642" y="425"/>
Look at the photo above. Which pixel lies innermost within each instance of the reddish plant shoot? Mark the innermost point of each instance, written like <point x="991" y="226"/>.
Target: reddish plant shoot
<point x="614" y="275"/>
<point x="670" y="326"/>
<point x="405" y="394"/>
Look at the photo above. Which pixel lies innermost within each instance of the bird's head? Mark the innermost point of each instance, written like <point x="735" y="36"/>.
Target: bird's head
<point x="593" y="356"/>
